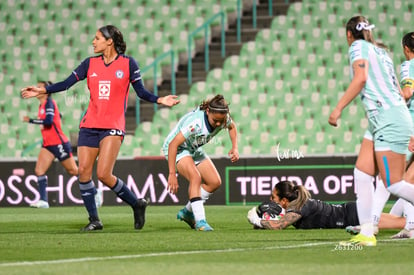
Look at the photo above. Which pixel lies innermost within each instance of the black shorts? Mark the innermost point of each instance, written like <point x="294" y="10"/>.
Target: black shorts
<point x="351" y="214"/>
<point x="60" y="151"/>
<point x="91" y="137"/>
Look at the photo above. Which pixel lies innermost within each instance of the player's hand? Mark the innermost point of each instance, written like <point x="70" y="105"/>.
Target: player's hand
<point x="32" y="91"/>
<point x="26" y="119"/>
<point x="253" y="218"/>
<point x="234" y="155"/>
<point x="333" y="118"/>
<point x="169" y="100"/>
<point x="172" y="183"/>
<point x="411" y="144"/>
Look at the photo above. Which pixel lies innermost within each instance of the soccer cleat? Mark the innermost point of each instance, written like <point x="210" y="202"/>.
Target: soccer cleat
<point x="40" y="204"/>
<point x="361" y="240"/>
<point x="355" y="229"/>
<point x="139" y="213"/>
<point x="202" y="225"/>
<point x="98" y="198"/>
<point x="187" y="216"/>
<point x="404" y="234"/>
<point x="93" y="225"/>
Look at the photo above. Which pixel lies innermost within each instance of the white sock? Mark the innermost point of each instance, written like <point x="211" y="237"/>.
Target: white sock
<point x="381" y="196"/>
<point x="398" y="208"/>
<point x="198" y="210"/>
<point x="409" y="213"/>
<point x="402" y="189"/>
<point x="365" y="195"/>
<point x="188" y="206"/>
<point x="204" y="194"/>
<point x="367" y="229"/>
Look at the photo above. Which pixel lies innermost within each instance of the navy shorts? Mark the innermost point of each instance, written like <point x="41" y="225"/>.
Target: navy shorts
<point x="91" y="137"/>
<point x="60" y="151"/>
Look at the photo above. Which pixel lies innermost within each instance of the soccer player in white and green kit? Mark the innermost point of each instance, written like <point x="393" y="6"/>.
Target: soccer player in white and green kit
<point x="401" y="207"/>
<point x="385" y="143"/>
<point x="182" y="149"/>
<point x="407" y="86"/>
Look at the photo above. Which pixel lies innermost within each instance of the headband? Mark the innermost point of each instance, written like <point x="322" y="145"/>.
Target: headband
<point x="364" y="26"/>
<point x="105" y="32"/>
<point x="218" y="109"/>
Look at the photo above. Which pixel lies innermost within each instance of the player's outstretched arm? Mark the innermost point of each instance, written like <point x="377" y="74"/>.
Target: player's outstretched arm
<point x="172" y="156"/>
<point x="169" y="100"/>
<point x="286" y="220"/>
<point x="32" y="91"/>
<point x="234" y="152"/>
<point x="360" y="68"/>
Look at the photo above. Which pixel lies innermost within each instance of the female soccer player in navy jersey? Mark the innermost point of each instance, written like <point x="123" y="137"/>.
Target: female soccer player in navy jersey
<point x="102" y="128"/>
<point x="55" y="144"/>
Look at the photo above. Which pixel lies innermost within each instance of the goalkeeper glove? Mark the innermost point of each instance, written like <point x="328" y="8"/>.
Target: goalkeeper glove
<point x="253" y="218"/>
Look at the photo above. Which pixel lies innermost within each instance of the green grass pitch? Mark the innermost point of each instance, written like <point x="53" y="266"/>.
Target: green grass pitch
<point x="48" y="241"/>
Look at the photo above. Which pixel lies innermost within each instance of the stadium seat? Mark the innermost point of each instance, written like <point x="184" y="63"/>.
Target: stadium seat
<point x="166" y="117"/>
<point x="233" y="62"/>
<point x="251" y="48"/>
<point x="282" y="22"/>
<point x="303" y="53"/>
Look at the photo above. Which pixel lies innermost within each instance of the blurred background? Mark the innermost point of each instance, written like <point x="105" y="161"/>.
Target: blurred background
<point x="281" y="64"/>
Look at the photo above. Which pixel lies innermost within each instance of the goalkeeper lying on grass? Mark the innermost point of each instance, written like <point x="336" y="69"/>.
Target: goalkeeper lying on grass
<point x="303" y="212"/>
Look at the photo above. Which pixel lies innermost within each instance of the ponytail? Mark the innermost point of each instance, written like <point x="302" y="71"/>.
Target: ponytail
<point x="362" y="30"/>
<point x="302" y="195"/>
<point x="296" y="195"/>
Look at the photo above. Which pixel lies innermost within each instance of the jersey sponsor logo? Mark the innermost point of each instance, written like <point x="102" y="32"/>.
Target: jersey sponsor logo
<point x="201" y="140"/>
<point x="104" y="89"/>
<point x="119" y="74"/>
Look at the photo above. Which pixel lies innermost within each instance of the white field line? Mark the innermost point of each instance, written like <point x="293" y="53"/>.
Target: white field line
<point x="160" y="254"/>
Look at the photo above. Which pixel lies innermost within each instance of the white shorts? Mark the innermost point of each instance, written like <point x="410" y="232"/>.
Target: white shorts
<point x="198" y="156"/>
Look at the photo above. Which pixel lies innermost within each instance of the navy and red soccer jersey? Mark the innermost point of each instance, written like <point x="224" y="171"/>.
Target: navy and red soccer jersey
<point x="109" y="87"/>
<point x="51" y="129"/>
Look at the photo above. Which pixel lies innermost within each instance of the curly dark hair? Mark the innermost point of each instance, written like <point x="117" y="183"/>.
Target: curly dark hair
<point x="408" y="41"/>
<point x="216" y="104"/>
